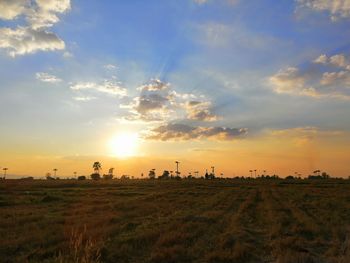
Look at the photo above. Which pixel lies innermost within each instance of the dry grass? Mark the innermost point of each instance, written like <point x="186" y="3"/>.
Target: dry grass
<point x="175" y="221"/>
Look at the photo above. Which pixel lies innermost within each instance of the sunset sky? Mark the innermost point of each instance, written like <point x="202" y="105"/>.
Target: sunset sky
<point x="137" y="85"/>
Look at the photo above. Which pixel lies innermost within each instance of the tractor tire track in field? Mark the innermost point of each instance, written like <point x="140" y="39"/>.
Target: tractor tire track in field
<point x="291" y="230"/>
<point x="204" y="223"/>
<point x="244" y="238"/>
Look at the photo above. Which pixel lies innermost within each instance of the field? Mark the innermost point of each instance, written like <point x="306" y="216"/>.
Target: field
<point x="278" y="221"/>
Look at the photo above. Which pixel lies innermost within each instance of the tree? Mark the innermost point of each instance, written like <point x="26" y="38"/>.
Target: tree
<point x="109" y="176"/>
<point x="97" y="167"/>
<point x="152" y="174"/>
<point x="165" y="175"/>
<point x="95" y="176"/>
<point x="325" y="175"/>
<point x="81" y="177"/>
<point x="54" y="172"/>
<point x="49" y="177"/>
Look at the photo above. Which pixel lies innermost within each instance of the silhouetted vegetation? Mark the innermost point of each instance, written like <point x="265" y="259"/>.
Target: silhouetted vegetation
<point x="96" y="174"/>
<point x="152" y="174"/>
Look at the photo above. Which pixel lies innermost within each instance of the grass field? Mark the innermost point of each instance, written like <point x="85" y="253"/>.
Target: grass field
<point x="175" y="221"/>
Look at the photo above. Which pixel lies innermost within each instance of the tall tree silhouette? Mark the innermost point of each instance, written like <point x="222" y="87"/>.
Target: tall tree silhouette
<point x="97" y="167"/>
<point x="251" y="173"/>
<point x="55" y="171"/>
<point x="152" y="174"/>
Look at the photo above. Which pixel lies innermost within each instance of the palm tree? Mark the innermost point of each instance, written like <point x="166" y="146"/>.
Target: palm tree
<point x="264" y="172"/>
<point x="75" y="174"/>
<point x="97" y="167"/>
<point x="54" y="171"/>
<point x="255" y="173"/>
<point x="213" y="170"/>
<point x="251" y="173"/>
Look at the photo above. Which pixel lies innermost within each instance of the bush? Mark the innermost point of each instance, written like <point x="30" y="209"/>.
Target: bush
<point x="95" y="176"/>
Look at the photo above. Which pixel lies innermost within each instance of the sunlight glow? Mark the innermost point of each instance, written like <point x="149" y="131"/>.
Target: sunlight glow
<point x="124" y="145"/>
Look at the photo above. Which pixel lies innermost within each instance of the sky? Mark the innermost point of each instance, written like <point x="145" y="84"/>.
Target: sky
<point x="239" y="85"/>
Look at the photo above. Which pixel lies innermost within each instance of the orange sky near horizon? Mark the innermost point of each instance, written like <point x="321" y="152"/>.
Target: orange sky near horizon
<point x="281" y="152"/>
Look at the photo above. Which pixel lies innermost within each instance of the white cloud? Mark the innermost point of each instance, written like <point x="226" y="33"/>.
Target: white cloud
<point x="288" y="81"/>
<point x="336" y="8"/>
<point x="24" y="40"/>
<point x="10" y="9"/>
<point x="107" y="86"/>
<point x="46" y="77"/>
<point x="67" y="54"/>
<point x="332" y="80"/>
<point x="338" y="60"/>
<point x="84" y="98"/>
<point x="110" y="67"/>
<point x="34" y="36"/>
<point x="154" y="85"/>
<point x="322" y="59"/>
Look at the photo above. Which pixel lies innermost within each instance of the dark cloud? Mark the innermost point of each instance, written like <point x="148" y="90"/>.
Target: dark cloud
<point x="177" y="131"/>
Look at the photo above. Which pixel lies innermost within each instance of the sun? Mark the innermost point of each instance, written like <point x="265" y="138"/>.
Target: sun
<point x="124" y="145"/>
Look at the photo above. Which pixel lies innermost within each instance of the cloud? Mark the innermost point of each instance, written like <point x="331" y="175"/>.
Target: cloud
<point x="199" y="110"/>
<point x="201" y="2"/>
<point x="107" y="86"/>
<point x="329" y="80"/>
<point x="155" y="102"/>
<point x="301" y="136"/>
<point x="34" y="35"/>
<point x="10" y="9"/>
<point x="110" y="67"/>
<point x="322" y="59"/>
<point x="46" y="77"/>
<point x="158" y="101"/>
<point x="338" y="60"/>
<point x="185" y="132"/>
<point x="44" y="14"/>
<point x="336" y="8"/>
<point x="24" y="40"/>
<point x="154" y="85"/>
<point x="86" y="98"/>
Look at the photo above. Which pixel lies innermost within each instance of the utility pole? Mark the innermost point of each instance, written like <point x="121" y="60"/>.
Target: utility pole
<point x="5" y="169"/>
<point x="177" y="168"/>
